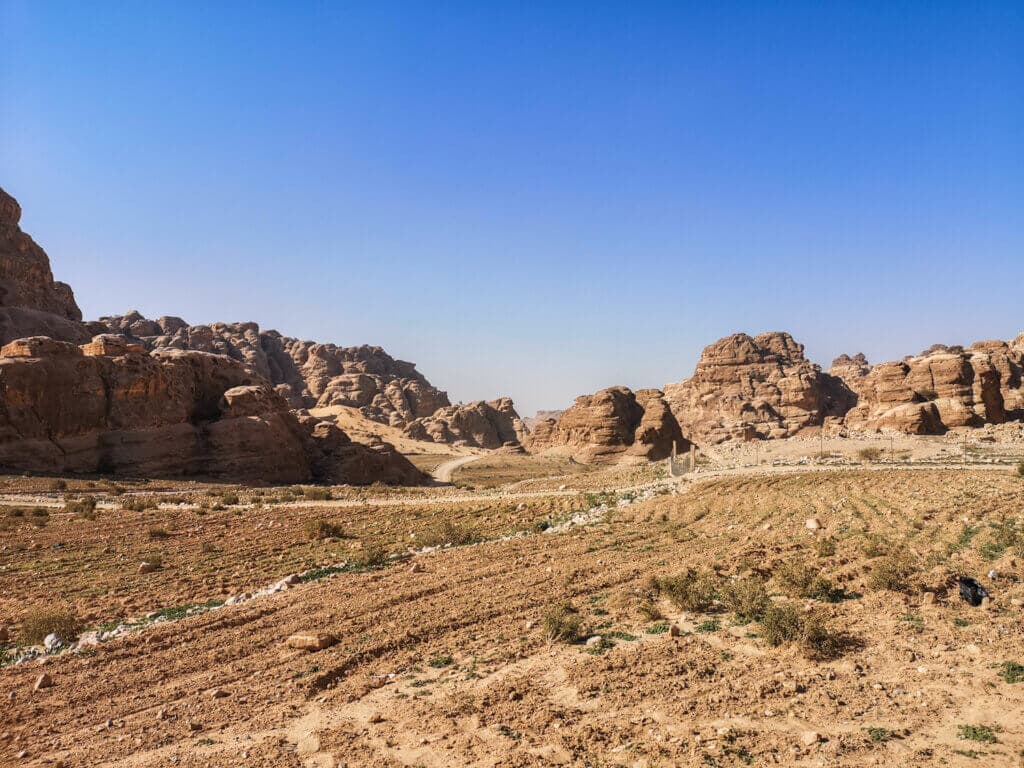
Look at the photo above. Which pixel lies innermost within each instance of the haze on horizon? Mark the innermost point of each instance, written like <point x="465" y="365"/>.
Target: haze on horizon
<point x="534" y="202"/>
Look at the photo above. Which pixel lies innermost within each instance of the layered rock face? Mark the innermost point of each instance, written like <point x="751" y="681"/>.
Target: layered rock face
<point x="31" y="301"/>
<point x="104" y="408"/>
<point x="610" y="424"/>
<point x="308" y="374"/>
<point x="942" y="388"/>
<point x="755" y="387"/>
<point x="480" y="424"/>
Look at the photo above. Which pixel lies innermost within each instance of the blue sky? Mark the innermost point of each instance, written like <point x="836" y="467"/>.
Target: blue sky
<point x="531" y="199"/>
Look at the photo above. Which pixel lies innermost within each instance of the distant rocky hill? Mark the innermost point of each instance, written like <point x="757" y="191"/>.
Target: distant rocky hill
<point x="72" y="400"/>
<point x="306" y="373"/>
<point x="530" y="422"/>
<point x="480" y="424"/>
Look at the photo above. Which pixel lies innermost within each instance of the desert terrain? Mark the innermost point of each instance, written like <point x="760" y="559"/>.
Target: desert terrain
<point x="527" y="615"/>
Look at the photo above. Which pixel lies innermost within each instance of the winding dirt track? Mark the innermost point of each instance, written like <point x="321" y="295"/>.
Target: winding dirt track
<point x="444" y="472"/>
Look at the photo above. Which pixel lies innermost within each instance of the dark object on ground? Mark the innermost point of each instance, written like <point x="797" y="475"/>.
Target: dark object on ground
<point x="971" y="592"/>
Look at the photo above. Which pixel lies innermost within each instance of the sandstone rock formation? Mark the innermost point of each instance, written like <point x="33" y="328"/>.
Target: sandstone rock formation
<point x="755" y="387"/>
<point x="479" y="424"/>
<point x="308" y="374"/>
<point x="610" y="424"/>
<point x="530" y="422"/>
<point x="120" y="410"/>
<point x="942" y="388"/>
<point x="31" y="302"/>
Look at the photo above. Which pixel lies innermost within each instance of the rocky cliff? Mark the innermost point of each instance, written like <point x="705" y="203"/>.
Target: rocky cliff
<point x="611" y="424"/>
<point x="31" y="301"/>
<point x="480" y="424"/>
<point x="755" y="387"/>
<point x="308" y="374"/>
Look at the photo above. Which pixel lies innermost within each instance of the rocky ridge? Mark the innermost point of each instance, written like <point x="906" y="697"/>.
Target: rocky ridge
<point x="481" y="424"/>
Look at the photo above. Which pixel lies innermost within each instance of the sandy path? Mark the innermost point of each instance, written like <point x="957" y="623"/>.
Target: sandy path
<point x="444" y="472"/>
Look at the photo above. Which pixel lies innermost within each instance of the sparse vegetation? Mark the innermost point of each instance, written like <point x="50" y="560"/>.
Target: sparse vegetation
<point x="1012" y="672"/>
<point x="83" y="507"/>
<point x="449" y="533"/>
<point x="139" y="503"/>
<point x="879" y="735"/>
<point x="805" y="581"/>
<point x="38" y="624"/>
<point x="892" y="573"/>
<point x="562" y="623"/>
<point x="785" y="623"/>
<point x="870" y="454"/>
<point x="981" y="733"/>
<point x="158" y="533"/>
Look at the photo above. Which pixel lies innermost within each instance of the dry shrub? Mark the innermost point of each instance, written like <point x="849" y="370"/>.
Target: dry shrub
<point x="562" y="622"/>
<point x="1020" y="469"/>
<point x="371" y="556"/>
<point x="747" y="598"/>
<point x="158" y="533"/>
<point x="690" y="590"/>
<point x="38" y="624"/>
<point x="805" y="581"/>
<point x="324" y="529"/>
<point x="870" y="454"/>
<point x="892" y="573"/>
<point x="450" y="533"/>
<point x="785" y="623"/>
<point x="83" y="507"/>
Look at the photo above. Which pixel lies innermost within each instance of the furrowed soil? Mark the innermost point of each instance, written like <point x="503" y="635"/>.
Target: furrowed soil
<point x="445" y="657"/>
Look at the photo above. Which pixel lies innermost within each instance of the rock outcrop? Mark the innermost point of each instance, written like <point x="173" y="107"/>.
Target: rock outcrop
<point x="942" y="388"/>
<point x="101" y="408"/>
<point x="753" y="388"/>
<point x="32" y="303"/>
<point x="479" y="424"/>
<point x="611" y="424"/>
<point x="308" y="374"/>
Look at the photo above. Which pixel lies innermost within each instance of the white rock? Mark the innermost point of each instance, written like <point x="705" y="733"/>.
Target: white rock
<point x="592" y="641"/>
<point x="51" y="641"/>
<point x="812" y="524"/>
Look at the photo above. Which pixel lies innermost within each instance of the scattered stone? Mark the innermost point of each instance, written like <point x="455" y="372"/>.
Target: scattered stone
<point x="43" y="681"/>
<point x="929" y="598"/>
<point x="593" y="641"/>
<point x="812" y="524"/>
<point x="148" y="567"/>
<point x="315" y="641"/>
<point x="810" y="738"/>
<point x="5" y="636"/>
<point x="308" y="745"/>
<point x="415" y="568"/>
<point x="218" y="693"/>
<point x="193" y="726"/>
<point x="51" y="641"/>
<point x="376" y="717"/>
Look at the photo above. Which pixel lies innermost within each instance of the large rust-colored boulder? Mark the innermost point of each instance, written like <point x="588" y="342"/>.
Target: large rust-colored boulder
<point x="611" y="424"/>
<point x="32" y="303"/>
<point x="755" y="387"/>
<point x="307" y="373"/>
<point x="480" y="424"/>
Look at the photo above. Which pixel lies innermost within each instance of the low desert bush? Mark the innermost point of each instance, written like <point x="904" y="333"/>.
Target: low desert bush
<point x="562" y="622"/>
<point x="229" y="499"/>
<point x="83" y="507"/>
<point x="324" y="529"/>
<point x="690" y="590"/>
<point x="39" y="516"/>
<point x="313" y="493"/>
<point x="746" y="598"/>
<point x="1020" y="469"/>
<point x="825" y="546"/>
<point x="806" y="581"/>
<point x="870" y="454"/>
<point x="158" y="533"/>
<point x="785" y="623"/>
<point x="139" y="503"/>
<point x="59" y="485"/>
<point x="449" y="533"/>
<point x="892" y="573"/>
<point x="38" y="624"/>
<point x="371" y="556"/>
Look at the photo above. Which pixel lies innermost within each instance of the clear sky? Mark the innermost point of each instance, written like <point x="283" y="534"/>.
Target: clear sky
<point x="531" y="199"/>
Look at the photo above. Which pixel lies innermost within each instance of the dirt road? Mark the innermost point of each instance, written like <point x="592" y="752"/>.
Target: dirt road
<point x="444" y="472"/>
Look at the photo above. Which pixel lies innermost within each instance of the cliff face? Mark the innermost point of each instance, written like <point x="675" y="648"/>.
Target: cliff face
<point x="308" y="374"/>
<point x="31" y="301"/>
<point x="755" y="387"/>
<point x="611" y="424"/>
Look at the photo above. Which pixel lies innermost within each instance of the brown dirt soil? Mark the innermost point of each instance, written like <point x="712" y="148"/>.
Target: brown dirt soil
<point x="448" y="664"/>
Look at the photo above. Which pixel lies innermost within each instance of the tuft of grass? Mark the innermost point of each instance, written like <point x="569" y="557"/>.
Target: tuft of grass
<point x="747" y="599"/>
<point x="870" y="454"/>
<point x="650" y="611"/>
<point x="324" y="529"/>
<point x="982" y="733"/>
<point x="440" y="661"/>
<point x="690" y="590"/>
<point x="1012" y="672"/>
<point x="38" y="624"/>
<point x="659" y="628"/>
<point x="562" y="623"/>
<point x="879" y="735"/>
<point x="710" y="625"/>
<point x="892" y="573"/>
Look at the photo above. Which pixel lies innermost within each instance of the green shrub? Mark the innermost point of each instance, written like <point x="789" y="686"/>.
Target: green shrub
<point x="1012" y="672"/>
<point x="562" y="622"/>
<point x="38" y="624"/>
<point x="372" y="556"/>
<point x="746" y="598"/>
<point x="690" y="590"/>
<point x="785" y="623"/>
<point x="982" y="733"/>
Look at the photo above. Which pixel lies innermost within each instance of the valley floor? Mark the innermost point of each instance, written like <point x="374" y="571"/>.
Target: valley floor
<point x="444" y="656"/>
